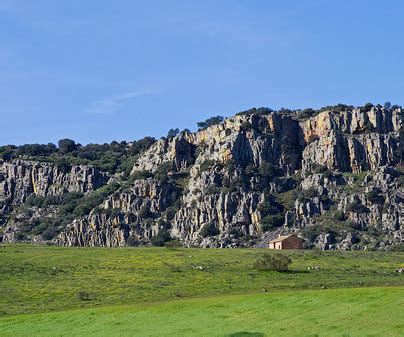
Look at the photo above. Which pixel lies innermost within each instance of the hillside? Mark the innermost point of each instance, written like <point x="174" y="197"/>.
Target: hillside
<point x="333" y="176"/>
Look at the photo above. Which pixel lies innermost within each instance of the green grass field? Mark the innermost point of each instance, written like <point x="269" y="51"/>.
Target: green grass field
<point x="336" y="312"/>
<point x="55" y="291"/>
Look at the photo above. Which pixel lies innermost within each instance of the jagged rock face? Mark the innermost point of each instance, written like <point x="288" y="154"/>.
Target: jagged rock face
<point x="352" y="141"/>
<point x="155" y="195"/>
<point x="95" y="230"/>
<point x="178" y="150"/>
<point x="137" y="210"/>
<point x="280" y="143"/>
<point x="351" y="153"/>
<point x="225" y="210"/>
<point x="23" y="178"/>
<point x="354" y="121"/>
<point x="333" y="179"/>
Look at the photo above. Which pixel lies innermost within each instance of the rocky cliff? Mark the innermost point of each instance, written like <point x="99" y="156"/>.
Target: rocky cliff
<point x="335" y="178"/>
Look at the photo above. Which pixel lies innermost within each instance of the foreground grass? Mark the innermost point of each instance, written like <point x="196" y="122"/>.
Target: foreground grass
<point x="335" y="312"/>
<point x="42" y="279"/>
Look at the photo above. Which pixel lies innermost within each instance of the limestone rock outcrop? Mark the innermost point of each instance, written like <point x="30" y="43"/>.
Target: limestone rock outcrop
<point x="335" y="179"/>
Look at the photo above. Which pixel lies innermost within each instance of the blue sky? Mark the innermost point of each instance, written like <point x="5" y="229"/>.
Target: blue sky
<point x="97" y="71"/>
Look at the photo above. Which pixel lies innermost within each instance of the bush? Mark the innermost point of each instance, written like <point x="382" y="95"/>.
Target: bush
<point x="375" y="198"/>
<point x="310" y="192"/>
<point x="269" y="170"/>
<point x="273" y="262"/>
<point x="272" y="221"/>
<point x="172" y="133"/>
<point x="356" y="207"/>
<point x="93" y="199"/>
<point x="339" y="215"/>
<point x="62" y="164"/>
<point x="318" y="168"/>
<point x="254" y="111"/>
<point x="161" y="238"/>
<point x="210" y="121"/>
<point x="206" y="165"/>
<point x="173" y="244"/>
<point x="66" y="146"/>
<point x="245" y="126"/>
<point x="269" y="207"/>
<point x="236" y="231"/>
<point x="163" y="170"/>
<point x="145" y="212"/>
<point x="209" y="230"/>
<point x="141" y="145"/>
<point x="132" y="242"/>
<point x="138" y="175"/>
<point x="212" y="190"/>
<point x="33" y="150"/>
<point x="306" y="113"/>
<point x="7" y="152"/>
<point x="84" y="295"/>
<point x="367" y="107"/>
<point x="49" y="233"/>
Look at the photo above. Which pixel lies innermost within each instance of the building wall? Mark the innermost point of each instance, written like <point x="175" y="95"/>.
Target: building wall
<point x="292" y="243"/>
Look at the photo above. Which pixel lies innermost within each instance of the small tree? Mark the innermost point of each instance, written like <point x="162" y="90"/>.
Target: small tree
<point x="163" y="170"/>
<point x="269" y="170"/>
<point x="209" y="230"/>
<point x="172" y="133"/>
<point x="273" y="262"/>
<point x="272" y="221"/>
<point x="66" y="145"/>
<point x="210" y="121"/>
<point x="161" y="238"/>
<point x="367" y="107"/>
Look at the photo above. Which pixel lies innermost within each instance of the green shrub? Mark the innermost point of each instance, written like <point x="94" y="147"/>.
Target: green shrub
<point x="66" y="145"/>
<point x="84" y="295"/>
<point x="209" y="230"/>
<point x="209" y="122"/>
<point x="272" y="221"/>
<point x="245" y="126"/>
<point x="212" y="190"/>
<point x="49" y="233"/>
<point x="172" y="133"/>
<point x="375" y="197"/>
<point x="250" y="170"/>
<point x="356" y="207"/>
<point x="339" y="215"/>
<point x="94" y="198"/>
<point x="273" y="262"/>
<point x="306" y="113"/>
<point x="367" y="107"/>
<point x="161" y="238"/>
<point x="318" y="168"/>
<point x="236" y="231"/>
<point x="310" y="192"/>
<point x="132" y="242"/>
<point x="206" y="165"/>
<point x="173" y="244"/>
<point x="163" y="170"/>
<point x="269" y="170"/>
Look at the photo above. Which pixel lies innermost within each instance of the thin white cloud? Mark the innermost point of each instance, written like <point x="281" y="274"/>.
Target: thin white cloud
<point x="109" y="106"/>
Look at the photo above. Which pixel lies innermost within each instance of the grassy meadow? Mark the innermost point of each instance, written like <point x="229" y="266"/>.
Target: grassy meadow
<point x="336" y="312"/>
<point x="47" y="291"/>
